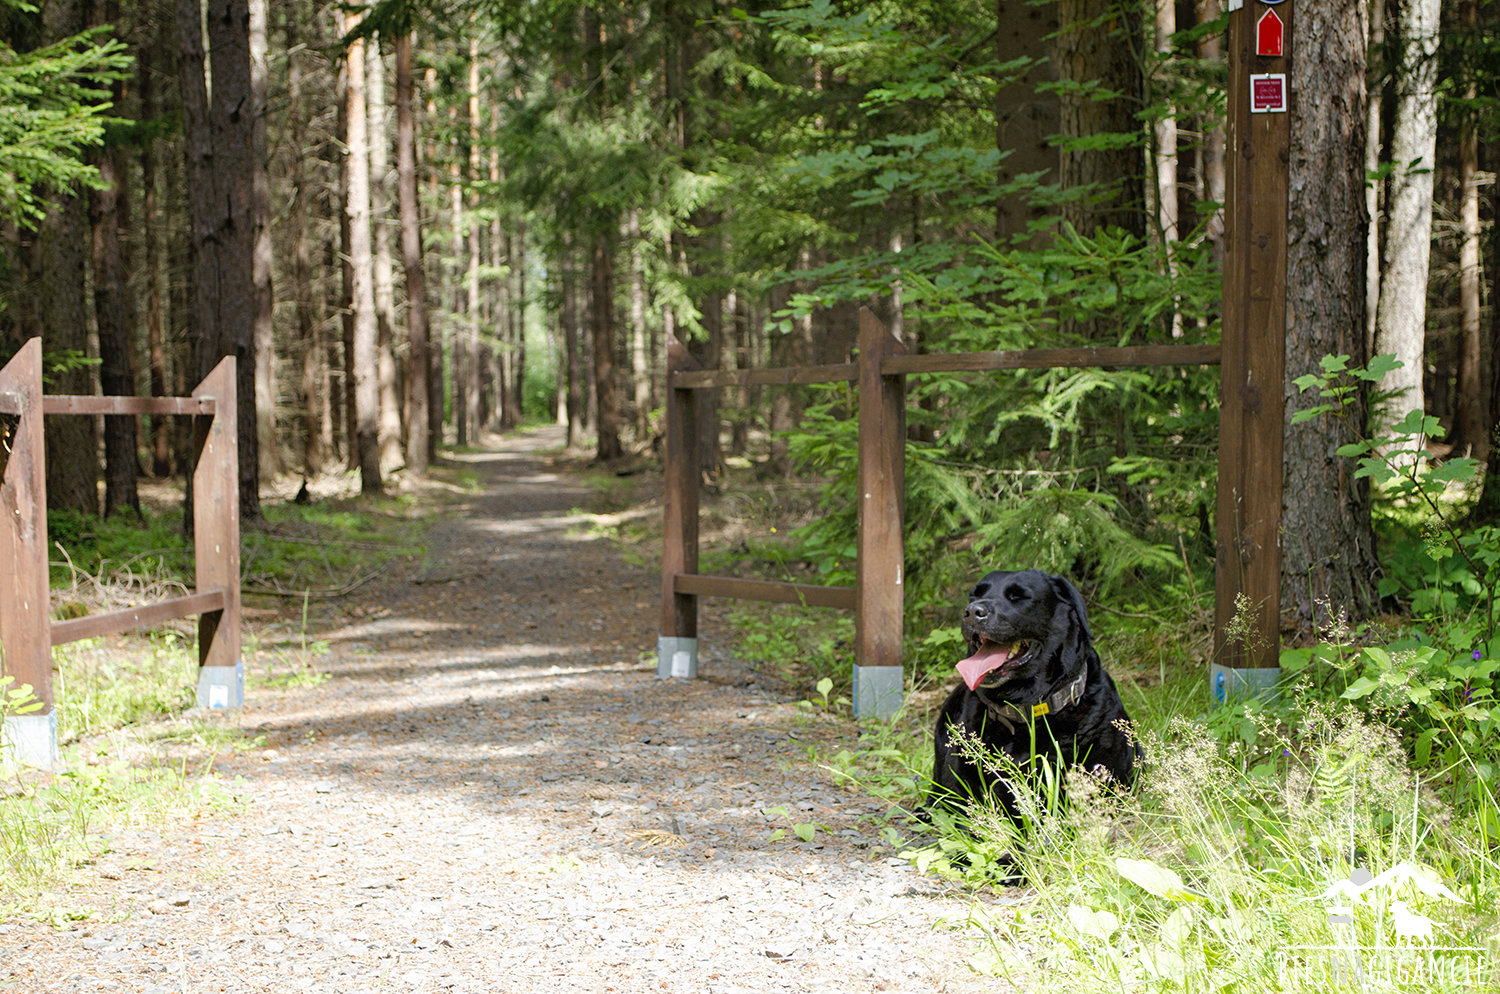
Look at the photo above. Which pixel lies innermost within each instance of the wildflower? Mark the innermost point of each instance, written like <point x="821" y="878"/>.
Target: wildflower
<point x="1478" y="655"/>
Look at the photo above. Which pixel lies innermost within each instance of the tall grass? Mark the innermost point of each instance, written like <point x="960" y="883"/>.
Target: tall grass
<point x="1210" y="875"/>
<point x="121" y="768"/>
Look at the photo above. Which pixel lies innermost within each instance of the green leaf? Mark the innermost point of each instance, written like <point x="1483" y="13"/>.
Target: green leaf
<point x="1422" y="748"/>
<point x="1091" y="923"/>
<point x="1362" y="687"/>
<point x="1155" y="879"/>
<point x="805" y="831"/>
<point x="1378" y="367"/>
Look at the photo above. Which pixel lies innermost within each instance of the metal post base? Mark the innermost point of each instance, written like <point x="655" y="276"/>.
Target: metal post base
<point x="676" y="657"/>
<point x="221" y="686"/>
<point x="1227" y="684"/>
<point x="30" y="740"/>
<point x="877" y="690"/>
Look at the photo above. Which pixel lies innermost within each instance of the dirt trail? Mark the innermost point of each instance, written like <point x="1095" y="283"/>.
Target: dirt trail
<point x="493" y="793"/>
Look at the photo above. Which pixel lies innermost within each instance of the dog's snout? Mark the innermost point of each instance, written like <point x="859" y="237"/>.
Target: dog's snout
<point x="976" y="612"/>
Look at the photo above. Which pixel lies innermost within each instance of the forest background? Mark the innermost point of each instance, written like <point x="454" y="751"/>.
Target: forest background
<point x="415" y="222"/>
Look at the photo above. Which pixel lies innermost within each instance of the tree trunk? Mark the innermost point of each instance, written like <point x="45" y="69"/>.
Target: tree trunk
<point x="385" y="293"/>
<point x="603" y="309"/>
<point x="1328" y="551"/>
<point x="474" y="352"/>
<point x="570" y="348"/>
<point x="263" y="251"/>
<point x="456" y="333"/>
<point x="308" y="338"/>
<point x="1211" y="155"/>
<point x="1093" y="45"/>
<point x="366" y="415"/>
<point x="516" y="393"/>
<point x="640" y="357"/>
<point x="1375" y="74"/>
<point x="341" y="402"/>
<point x="59" y="268"/>
<point x="1402" y="319"/>
<point x="419" y="437"/>
<point x="220" y="185"/>
<point x="161" y="451"/>
<point x="114" y="314"/>
<point x="1164" y="132"/>
<point x="1470" y="428"/>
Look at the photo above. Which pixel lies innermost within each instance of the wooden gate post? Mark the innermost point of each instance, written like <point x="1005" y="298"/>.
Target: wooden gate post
<point x="677" y="643"/>
<point x="1248" y="544"/>
<point x="25" y="607"/>
<point x="216" y="539"/>
<point x="878" y="682"/>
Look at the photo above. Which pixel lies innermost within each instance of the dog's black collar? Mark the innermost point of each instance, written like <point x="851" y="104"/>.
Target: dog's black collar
<point x="1069" y="695"/>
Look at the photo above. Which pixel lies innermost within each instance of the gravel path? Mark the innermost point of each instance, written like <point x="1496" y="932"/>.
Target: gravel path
<point x="494" y="793"/>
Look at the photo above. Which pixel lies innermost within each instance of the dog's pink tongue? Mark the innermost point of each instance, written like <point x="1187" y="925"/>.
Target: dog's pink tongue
<point x="989" y="657"/>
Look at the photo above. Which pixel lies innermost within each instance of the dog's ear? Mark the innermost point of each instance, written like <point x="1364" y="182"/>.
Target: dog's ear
<point x="1069" y="594"/>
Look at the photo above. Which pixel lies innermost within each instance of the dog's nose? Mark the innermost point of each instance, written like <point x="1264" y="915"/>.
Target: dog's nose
<point x="975" y="612"/>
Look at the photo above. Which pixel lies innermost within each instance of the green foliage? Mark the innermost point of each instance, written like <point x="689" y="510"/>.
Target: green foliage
<point x="798" y="644"/>
<point x="1455" y="570"/>
<point x="50" y="110"/>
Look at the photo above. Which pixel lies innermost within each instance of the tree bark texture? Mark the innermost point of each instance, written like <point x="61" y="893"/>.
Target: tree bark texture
<point x="473" y="351"/>
<point x="1401" y="324"/>
<point x="1092" y="49"/>
<point x="366" y="412"/>
<point x="603" y="308"/>
<point x="1375" y="75"/>
<point x="516" y="393"/>
<point x="385" y="292"/>
<point x="1471" y="427"/>
<point x="114" y="314"/>
<point x="263" y="251"/>
<point x="221" y="204"/>
<point x="1211" y="155"/>
<point x="1328" y="548"/>
<point x="1164" y="131"/>
<point x="60" y="278"/>
<point x="161" y="452"/>
<point x="640" y="357"/>
<point x="308" y="338"/>
<point x="419" y="439"/>
<point x="570" y="358"/>
<point x="59" y="275"/>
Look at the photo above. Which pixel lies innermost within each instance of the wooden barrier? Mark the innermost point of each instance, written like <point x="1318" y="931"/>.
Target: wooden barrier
<point x="880" y="373"/>
<point x="27" y="632"/>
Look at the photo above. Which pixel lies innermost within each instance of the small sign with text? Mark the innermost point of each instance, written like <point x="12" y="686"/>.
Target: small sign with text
<point x="1268" y="93"/>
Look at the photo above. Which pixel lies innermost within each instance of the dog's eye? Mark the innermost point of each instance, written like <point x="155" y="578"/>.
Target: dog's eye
<point x="1015" y="594"/>
<point x="980" y="591"/>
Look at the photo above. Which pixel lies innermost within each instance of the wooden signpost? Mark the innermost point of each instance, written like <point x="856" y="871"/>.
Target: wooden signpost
<point x="1258" y="148"/>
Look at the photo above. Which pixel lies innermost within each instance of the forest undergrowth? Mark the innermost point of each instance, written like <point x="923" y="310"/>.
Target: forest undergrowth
<point x="1363" y="789"/>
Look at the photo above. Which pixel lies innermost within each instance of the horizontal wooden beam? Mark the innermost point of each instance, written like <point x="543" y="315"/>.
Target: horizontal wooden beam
<point x="783" y="376"/>
<point x="85" y="404"/>
<point x="1131" y="355"/>
<point x="135" y="617"/>
<point x="763" y="590"/>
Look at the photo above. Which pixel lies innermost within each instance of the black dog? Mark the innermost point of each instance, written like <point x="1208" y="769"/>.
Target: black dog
<point x="1033" y="686"/>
